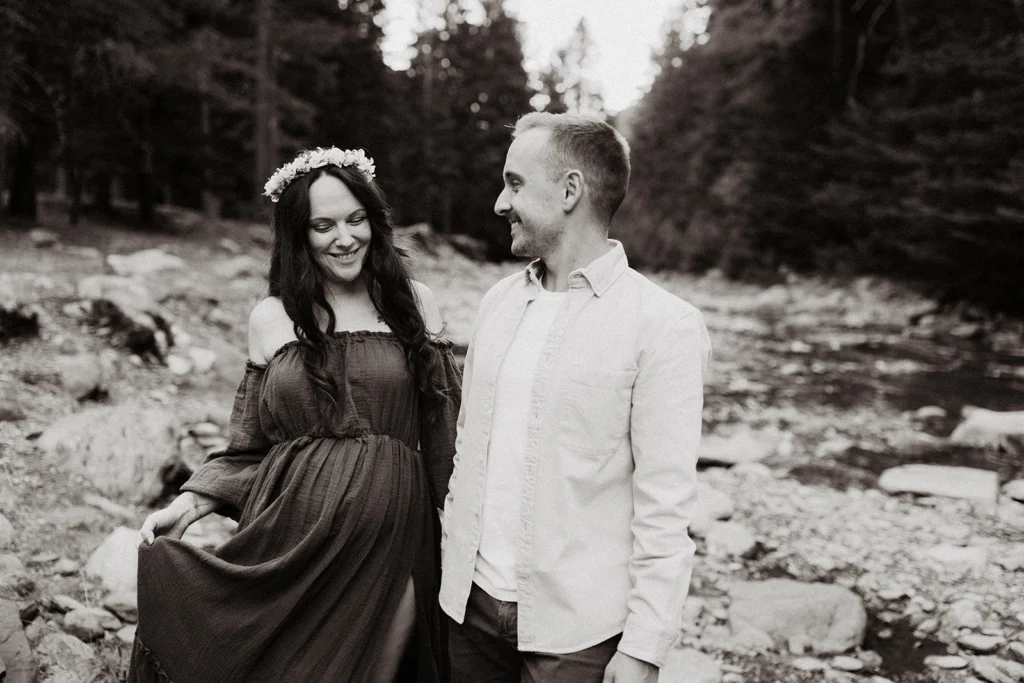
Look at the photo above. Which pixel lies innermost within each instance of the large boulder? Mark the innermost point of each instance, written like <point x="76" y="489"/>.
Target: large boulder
<point x="126" y="312"/>
<point x="68" y="658"/>
<point x="116" y="562"/>
<point x="81" y="374"/>
<point x="14" y="649"/>
<point x="145" y="262"/>
<point x="712" y="505"/>
<point x="941" y="480"/>
<point x="743" y="446"/>
<point x="991" y="429"/>
<point x="687" y="665"/>
<point x="829" y="618"/>
<point x="126" y="452"/>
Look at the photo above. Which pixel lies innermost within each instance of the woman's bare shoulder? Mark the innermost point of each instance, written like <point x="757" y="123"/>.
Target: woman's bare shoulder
<point x="429" y="309"/>
<point x="269" y="329"/>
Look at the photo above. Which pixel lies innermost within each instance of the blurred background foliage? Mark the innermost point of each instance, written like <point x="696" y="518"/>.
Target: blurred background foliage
<point x="826" y="136"/>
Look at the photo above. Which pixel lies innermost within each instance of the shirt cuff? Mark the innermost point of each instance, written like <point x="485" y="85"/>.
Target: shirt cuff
<point x="646" y="644"/>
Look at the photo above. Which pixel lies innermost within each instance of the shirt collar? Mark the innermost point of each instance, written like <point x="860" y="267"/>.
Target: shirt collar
<point x="599" y="274"/>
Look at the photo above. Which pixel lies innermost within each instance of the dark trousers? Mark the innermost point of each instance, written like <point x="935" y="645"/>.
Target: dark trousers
<point x="484" y="649"/>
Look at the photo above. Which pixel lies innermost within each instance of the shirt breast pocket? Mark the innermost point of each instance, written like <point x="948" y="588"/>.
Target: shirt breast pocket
<point x="595" y="414"/>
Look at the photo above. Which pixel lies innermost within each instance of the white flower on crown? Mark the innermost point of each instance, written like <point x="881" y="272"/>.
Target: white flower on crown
<point x="317" y="158"/>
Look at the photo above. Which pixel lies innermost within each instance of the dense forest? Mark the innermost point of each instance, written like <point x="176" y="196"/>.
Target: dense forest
<point x="839" y="136"/>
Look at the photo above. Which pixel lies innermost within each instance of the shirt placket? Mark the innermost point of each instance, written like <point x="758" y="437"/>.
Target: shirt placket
<point x="539" y="394"/>
<point x="501" y="339"/>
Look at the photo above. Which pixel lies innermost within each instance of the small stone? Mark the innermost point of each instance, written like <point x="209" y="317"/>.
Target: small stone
<point x="798" y="645"/>
<point x="930" y="412"/>
<point x="204" y="429"/>
<point x="975" y="642"/>
<point x="124" y="605"/>
<point x="83" y="624"/>
<point x="213" y="441"/>
<point x="203" y="360"/>
<point x="924" y="603"/>
<point x="1014" y="489"/>
<point x="948" y="662"/>
<point x="43" y="558"/>
<point x="730" y="538"/>
<point x="81" y="374"/>
<point x="997" y="670"/>
<point x="808" y="664"/>
<point x="107" y="620"/>
<point x="42" y="239"/>
<point x="127" y="634"/>
<point x="928" y="626"/>
<point x="872" y="660"/>
<point x="229" y="245"/>
<point x="66" y="567"/>
<point x="1017" y="650"/>
<point x="1013" y="560"/>
<point x="35" y="630"/>
<point x="964" y="614"/>
<point x="178" y="365"/>
<point x="891" y="594"/>
<point x="847" y="663"/>
<point x="65" y="603"/>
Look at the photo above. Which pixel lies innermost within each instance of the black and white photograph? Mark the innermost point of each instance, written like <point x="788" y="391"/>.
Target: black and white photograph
<point x="511" y="341"/>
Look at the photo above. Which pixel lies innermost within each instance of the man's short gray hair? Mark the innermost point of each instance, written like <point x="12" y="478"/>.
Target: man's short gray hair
<point x="590" y="145"/>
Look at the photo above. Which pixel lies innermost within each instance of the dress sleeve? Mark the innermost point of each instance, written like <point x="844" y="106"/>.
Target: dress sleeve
<point x="437" y="427"/>
<point x="228" y="475"/>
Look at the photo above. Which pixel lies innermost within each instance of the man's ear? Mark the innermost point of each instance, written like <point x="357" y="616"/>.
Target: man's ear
<point x="573" y="187"/>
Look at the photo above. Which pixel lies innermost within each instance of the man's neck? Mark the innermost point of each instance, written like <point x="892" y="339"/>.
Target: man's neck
<point x="573" y="254"/>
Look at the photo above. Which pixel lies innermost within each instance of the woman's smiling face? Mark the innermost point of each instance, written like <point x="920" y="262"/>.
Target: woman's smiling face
<point x="339" y="230"/>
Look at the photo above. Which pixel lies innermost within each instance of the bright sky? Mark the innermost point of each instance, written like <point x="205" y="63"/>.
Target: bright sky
<point x="625" y="32"/>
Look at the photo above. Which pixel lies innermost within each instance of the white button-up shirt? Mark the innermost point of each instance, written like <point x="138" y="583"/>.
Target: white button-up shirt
<point x="609" y="483"/>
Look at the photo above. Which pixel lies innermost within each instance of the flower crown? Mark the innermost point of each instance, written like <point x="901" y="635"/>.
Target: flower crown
<point x="317" y="158"/>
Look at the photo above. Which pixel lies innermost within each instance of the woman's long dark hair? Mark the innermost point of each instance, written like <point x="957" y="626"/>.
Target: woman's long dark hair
<point x="297" y="282"/>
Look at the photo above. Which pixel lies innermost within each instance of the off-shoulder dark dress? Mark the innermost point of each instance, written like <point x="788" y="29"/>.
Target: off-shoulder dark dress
<point x="332" y="523"/>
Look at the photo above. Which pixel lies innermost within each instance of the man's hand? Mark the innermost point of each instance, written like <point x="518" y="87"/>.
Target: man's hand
<point x="625" y="669"/>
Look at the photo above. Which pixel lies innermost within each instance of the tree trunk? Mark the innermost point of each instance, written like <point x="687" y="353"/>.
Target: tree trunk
<point x="210" y="201"/>
<point x="22" y="201"/>
<point x="144" y="172"/>
<point x="264" y="94"/>
<point x="102" y="199"/>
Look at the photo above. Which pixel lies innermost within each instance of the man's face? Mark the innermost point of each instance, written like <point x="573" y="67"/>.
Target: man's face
<point x="531" y="198"/>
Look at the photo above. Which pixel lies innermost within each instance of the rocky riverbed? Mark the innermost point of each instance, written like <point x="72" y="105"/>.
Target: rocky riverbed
<point x="861" y="473"/>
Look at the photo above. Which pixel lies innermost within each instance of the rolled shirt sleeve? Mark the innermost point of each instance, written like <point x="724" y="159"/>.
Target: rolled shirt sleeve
<point x="665" y="429"/>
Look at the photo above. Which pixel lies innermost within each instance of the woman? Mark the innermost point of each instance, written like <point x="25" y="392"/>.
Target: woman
<point x="333" y="573"/>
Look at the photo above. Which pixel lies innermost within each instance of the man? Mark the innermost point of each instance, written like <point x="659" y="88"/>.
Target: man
<point x="566" y="554"/>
